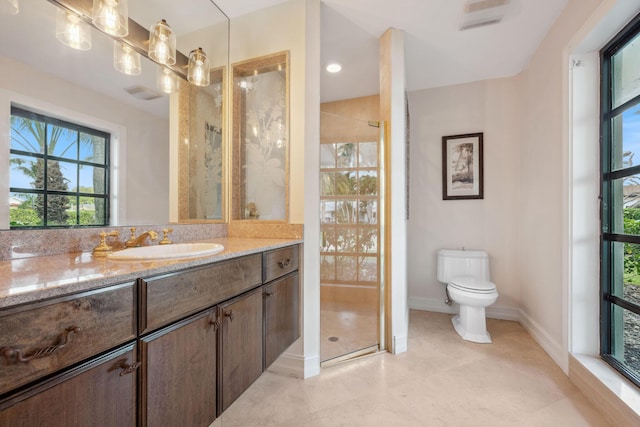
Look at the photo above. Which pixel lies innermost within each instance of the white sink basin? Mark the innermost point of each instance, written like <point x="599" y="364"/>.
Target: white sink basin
<point x="173" y="251"/>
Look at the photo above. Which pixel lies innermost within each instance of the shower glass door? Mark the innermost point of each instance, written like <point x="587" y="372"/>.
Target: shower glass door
<point x="350" y="254"/>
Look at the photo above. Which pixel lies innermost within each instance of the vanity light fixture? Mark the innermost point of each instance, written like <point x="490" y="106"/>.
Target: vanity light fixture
<point x="125" y="59"/>
<point x="198" y="68"/>
<point x="9" y="7"/>
<point x="111" y="16"/>
<point x="334" y="67"/>
<point x="166" y="80"/>
<point x="72" y="31"/>
<point x="162" y="43"/>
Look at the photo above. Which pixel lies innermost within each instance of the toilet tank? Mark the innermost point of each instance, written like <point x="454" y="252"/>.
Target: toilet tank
<point x="452" y="263"/>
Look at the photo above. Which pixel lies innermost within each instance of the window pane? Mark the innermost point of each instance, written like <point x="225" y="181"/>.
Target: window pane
<point x="626" y="73"/>
<point x="92" y="148"/>
<point x="91" y="211"/>
<point x="92" y="179"/>
<point x="368" y="212"/>
<point x="328" y="212"/>
<point x="327" y="267"/>
<point x="368" y="271"/>
<point x="327" y="183"/>
<point x="625" y="139"/>
<point x="27" y="135"/>
<point x="328" y="239"/>
<point x="346" y="239"/>
<point x="625" y="263"/>
<point x="61" y="176"/>
<point x="23" y="172"/>
<point x="368" y="183"/>
<point x="624" y="209"/>
<point x="346" y="211"/>
<point x="345" y="183"/>
<point x="625" y="337"/>
<point x="368" y="240"/>
<point x="346" y="155"/>
<point x="346" y="268"/>
<point x="22" y="212"/>
<point x="63" y="142"/>
<point x="328" y="155"/>
<point x="57" y="207"/>
<point x="368" y="155"/>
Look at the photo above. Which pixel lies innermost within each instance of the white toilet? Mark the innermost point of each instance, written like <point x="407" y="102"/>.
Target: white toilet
<point x="466" y="274"/>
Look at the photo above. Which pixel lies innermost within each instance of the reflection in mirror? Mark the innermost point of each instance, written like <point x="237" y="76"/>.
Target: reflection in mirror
<point x="261" y="138"/>
<point x="200" y="155"/>
<point x="45" y="77"/>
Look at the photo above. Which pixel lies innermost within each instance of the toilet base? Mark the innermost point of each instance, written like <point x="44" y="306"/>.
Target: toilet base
<point x="471" y="325"/>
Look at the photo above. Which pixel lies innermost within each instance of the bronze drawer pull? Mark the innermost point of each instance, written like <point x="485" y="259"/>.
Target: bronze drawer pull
<point x="16" y="354"/>
<point x="267" y="293"/>
<point x="229" y="314"/>
<point x="127" y="368"/>
<point x="285" y="263"/>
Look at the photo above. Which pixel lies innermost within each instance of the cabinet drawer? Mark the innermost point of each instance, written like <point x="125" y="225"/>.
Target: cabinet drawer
<point x="39" y="339"/>
<point x="98" y="393"/>
<point x="279" y="262"/>
<point x="172" y="297"/>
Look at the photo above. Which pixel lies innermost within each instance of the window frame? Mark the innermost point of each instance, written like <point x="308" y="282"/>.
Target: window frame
<point x="608" y="236"/>
<point x="17" y="110"/>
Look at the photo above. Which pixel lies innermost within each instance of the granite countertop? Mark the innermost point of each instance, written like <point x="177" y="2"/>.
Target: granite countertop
<point x="32" y="279"/>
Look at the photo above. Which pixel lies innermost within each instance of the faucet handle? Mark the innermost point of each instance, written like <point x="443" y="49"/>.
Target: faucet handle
<point x="165" y="236"/>
<point x="132" y="237"/>
<point x="103" y="249"/>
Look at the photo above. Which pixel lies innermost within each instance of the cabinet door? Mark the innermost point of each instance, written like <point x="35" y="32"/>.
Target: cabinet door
<point x="98" y="393"/>
<point x="240" y="345"/>
<point x="179" y="373"/>
<point x="281" y="316"/>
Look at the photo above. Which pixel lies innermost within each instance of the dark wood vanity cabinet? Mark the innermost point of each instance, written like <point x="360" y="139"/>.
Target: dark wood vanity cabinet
<point x="99" y="393"/>
<point x="175" y="349"/>
<point x="178" y="373"/>
<point x="281" y="316"/>
<point x="240" y="345"/>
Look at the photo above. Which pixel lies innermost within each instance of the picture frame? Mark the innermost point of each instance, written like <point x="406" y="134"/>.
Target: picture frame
<point x="462" y="166"/>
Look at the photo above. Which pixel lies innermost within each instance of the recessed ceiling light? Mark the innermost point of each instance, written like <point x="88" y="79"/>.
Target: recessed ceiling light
<point x="334" y="67"/>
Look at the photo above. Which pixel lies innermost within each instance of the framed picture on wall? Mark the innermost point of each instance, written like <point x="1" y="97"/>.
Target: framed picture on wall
<point x="462" y="167"/>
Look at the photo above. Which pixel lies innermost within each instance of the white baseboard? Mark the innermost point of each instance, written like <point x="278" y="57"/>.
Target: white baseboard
<point x="553" y="349"/>
<point x="439" y="306"/>
<point x="295" y="365"/>
<point x="400" y="344"/>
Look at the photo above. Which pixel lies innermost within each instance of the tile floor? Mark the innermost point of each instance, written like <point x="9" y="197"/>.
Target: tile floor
<point x="354" y="330"/>
<point x="441" y="381"/>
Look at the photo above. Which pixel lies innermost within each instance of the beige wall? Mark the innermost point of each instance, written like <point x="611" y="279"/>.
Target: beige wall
<point x="543" y="220"/>
<point x="285" y="26"/>
<point x="490" y="224"/>
<point x="349" y="119"/>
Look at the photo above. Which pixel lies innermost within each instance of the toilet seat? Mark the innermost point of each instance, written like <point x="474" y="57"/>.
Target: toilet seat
<point x="472" y="285"/>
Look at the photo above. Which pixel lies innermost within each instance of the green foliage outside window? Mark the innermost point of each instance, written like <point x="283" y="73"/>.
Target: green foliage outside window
<point x="632" y="252"/>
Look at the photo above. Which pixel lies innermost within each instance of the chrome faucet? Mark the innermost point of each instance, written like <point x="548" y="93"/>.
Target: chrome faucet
<point x="139" y="241"/>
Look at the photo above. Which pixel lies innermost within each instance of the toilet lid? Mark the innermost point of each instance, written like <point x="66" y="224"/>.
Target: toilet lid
<point x="471" y="284"/>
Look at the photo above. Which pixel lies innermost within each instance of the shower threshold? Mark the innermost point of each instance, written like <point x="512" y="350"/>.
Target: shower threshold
<point x="367" y="351"/>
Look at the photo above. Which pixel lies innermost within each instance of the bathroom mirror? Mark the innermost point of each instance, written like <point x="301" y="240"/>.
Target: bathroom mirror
<point x="83" y="87"/>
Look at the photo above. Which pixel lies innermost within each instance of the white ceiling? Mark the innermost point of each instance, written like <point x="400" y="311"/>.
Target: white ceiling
<point x="437" y="53"/>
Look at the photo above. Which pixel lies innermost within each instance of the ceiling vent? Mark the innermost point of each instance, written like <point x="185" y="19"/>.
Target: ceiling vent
<point x="479" y="13"/>
<point x="143" y="93"/>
